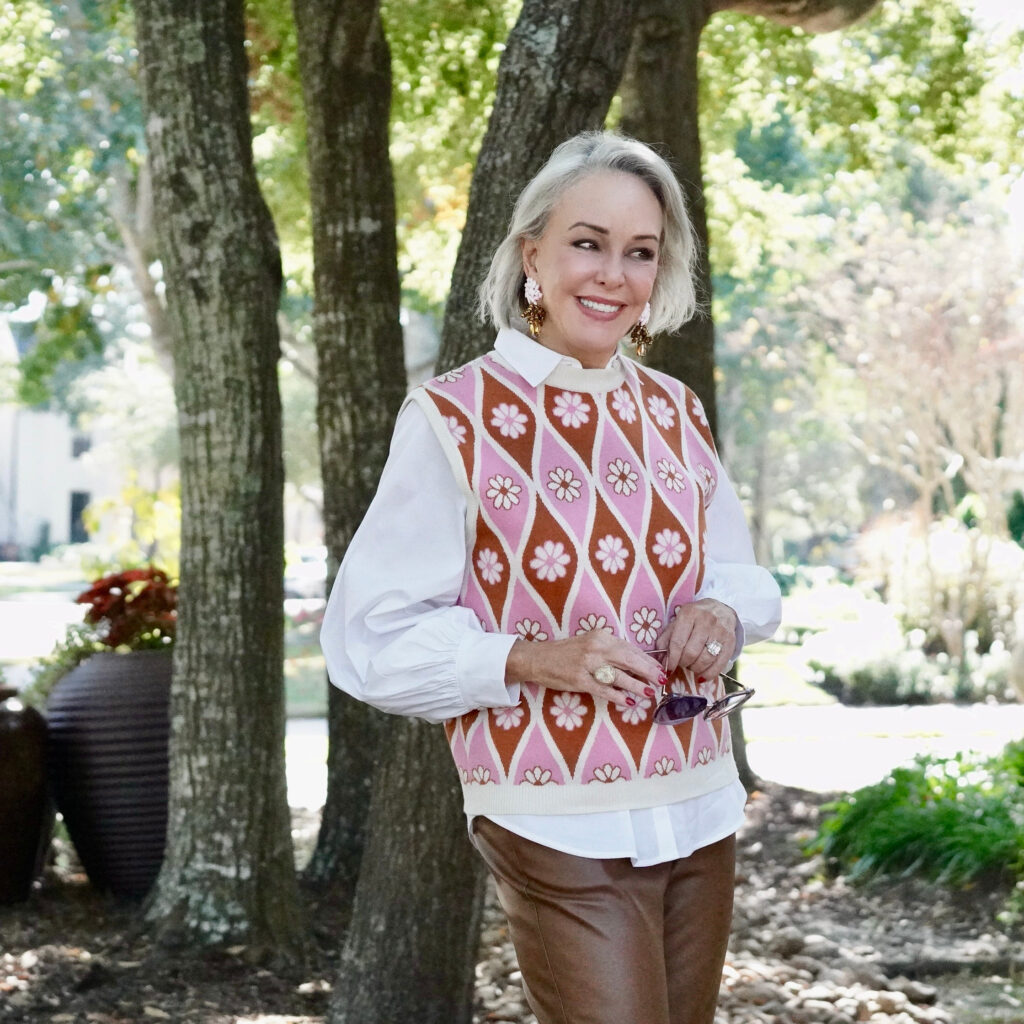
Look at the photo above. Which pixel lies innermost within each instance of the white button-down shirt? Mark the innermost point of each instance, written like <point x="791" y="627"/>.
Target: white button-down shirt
<point x="393" y="636"/>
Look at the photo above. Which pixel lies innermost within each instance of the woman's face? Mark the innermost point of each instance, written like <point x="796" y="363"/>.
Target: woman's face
<point x="596" y="263"/>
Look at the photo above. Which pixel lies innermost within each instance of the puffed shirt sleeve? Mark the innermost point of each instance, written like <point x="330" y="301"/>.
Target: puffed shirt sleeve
<point x="731" y="574"/>
<point x="392" y="633"/>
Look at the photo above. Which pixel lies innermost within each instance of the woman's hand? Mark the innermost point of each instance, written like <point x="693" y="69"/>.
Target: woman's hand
<point x="570" y="665"/>
<point x="688" y="635"/>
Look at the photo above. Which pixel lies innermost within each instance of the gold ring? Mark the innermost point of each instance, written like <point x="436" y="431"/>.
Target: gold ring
<point x="604" y="674"/>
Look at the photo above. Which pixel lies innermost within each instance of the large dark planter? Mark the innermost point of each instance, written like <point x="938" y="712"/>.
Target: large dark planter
<point x="26" y="813"/>
<point x="108" y="727"/>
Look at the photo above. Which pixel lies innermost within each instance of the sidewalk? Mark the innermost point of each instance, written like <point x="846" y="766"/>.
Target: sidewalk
<point x="823" y="748"/>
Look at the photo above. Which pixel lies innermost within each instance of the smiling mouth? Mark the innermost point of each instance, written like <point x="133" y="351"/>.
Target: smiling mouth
<point x="601" y="307"/>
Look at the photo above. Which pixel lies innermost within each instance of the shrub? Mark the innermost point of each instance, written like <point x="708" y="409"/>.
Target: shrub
<point x="953" y="820"/>
<point x="910" y="676"/>
<point x="952" y="581"/>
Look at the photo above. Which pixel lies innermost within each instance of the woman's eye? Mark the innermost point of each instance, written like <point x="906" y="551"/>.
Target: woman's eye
<point x="585" y="243"/>
<point x="645" y="254"/>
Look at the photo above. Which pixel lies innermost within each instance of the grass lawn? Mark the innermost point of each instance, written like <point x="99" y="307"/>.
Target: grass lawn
<point x="19" y="580"/>
<point x="774" y="670"/>
<point x="305" y="687"/>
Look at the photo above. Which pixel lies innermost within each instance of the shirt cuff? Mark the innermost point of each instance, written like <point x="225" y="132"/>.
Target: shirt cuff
<point x="752" y="593"/>
<point x="480" y="670"/>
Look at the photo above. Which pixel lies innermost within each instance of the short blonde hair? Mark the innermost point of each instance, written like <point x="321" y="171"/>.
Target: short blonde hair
<point x="673" y="300"/>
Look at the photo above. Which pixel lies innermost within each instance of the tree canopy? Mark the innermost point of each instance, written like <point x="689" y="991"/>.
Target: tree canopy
<point x="811" y="142"/>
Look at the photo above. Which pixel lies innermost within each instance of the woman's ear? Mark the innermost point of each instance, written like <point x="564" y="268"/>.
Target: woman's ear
<point x="529" y="257"/>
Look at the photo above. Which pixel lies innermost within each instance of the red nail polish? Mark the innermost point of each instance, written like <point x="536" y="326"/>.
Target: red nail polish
<point x="701" y="679"/>
<point x="663" y="679"/>
<point x="631" y="702"/>
<point x="648" y="691"/>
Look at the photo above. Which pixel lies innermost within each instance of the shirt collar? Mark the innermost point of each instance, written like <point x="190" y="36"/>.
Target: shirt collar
<point x="532" y="361"/>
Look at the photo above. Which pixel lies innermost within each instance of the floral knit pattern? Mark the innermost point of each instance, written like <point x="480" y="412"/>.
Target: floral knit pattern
<point x="589" y="514"/>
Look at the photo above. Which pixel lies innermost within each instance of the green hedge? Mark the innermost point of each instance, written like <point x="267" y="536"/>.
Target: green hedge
<point x="953" y="820"/>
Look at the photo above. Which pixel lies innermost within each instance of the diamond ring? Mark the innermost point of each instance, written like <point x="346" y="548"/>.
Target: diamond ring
<point x="604" y="674"/>
<point x="713" y="647"/>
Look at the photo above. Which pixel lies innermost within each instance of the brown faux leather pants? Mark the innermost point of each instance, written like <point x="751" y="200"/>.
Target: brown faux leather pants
<point x="603" y="942"/>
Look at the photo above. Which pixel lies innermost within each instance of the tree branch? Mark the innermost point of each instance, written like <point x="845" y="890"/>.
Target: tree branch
<point x="811" y="15"/>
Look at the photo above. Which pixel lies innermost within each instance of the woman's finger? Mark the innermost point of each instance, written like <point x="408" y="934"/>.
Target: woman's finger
<point x="618" y="684"/>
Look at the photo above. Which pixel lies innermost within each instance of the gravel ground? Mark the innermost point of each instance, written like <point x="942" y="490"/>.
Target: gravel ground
<point x="805" y="950"/>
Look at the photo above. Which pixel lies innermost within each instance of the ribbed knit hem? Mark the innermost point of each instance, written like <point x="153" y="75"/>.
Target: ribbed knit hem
<point x="622" y="795"/>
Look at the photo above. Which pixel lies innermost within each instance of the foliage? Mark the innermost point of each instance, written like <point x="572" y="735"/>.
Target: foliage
<point x="850" y="156"/>
<point x="70" y="139"/>
<point x="912" y="677"/>
<point x="947" y="580"/>
<point x="940" y="633"/>
<point x="438" y="122"/>
<point x="132" y="610"/>
<point x="954" y="820"/>
<point x="79" y="643"/>
<point x="837" y="167"/>
<point x="143" y="524"/>
<point x="136" y="608"/>
<point x="1015" y="517"/>
<point x="913" y="76"/>
<point x="444" y="60"/>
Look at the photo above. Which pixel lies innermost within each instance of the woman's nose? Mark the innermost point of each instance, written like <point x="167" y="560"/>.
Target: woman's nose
<point x="612" y="270"/>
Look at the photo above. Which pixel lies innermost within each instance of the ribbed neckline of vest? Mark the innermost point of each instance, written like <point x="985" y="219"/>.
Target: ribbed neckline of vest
<point x="577" y="378"/>
<point x="589" y="381"/>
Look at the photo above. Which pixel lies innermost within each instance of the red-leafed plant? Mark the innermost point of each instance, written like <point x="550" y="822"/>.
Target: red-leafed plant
<point x="136" y="608"/>
<point x="133" y="610"/>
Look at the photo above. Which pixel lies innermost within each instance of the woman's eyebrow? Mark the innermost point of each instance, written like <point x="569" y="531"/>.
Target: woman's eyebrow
<point x="604" y="231"/>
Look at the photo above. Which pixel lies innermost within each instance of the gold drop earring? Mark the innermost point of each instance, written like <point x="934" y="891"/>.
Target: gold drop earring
<point x="639" y="336"/>
<point x="534" y="313"/>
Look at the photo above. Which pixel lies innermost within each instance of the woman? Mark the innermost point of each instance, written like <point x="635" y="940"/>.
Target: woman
<point x="553" y="542"/>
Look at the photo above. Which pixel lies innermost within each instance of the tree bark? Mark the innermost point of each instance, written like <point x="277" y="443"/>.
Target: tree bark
<point x="560" y="69"/>
<point x="346" y="79"/>
<point x="228" y="874"/>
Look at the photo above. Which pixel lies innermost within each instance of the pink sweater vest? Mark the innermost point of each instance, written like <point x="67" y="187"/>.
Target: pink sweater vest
<point x="586" y="498"/>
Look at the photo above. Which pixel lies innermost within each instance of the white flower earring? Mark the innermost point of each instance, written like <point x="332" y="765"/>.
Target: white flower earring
<point x="640" y="336"/>
<point x="534" y="313"/>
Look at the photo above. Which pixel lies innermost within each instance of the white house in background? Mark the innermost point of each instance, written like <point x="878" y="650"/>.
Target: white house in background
<point x="46" y="475"/>
<point x="49" y="472"/>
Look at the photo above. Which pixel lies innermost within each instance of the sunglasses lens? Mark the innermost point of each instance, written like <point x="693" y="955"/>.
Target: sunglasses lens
<point x="729" y="704"/>
<point x="679" y="708"/>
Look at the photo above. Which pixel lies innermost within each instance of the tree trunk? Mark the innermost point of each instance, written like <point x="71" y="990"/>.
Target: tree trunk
<point x="228" y="874"/>
<point x="346" y="81"/>
<point x="659" y="106"/>
<point x="411" y="948"/>
<point x="560" y="69"/>
<point x="750" y="779"/>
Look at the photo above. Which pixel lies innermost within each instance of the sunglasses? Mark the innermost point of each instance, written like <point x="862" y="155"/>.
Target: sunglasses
<point x="674" y="708"/>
